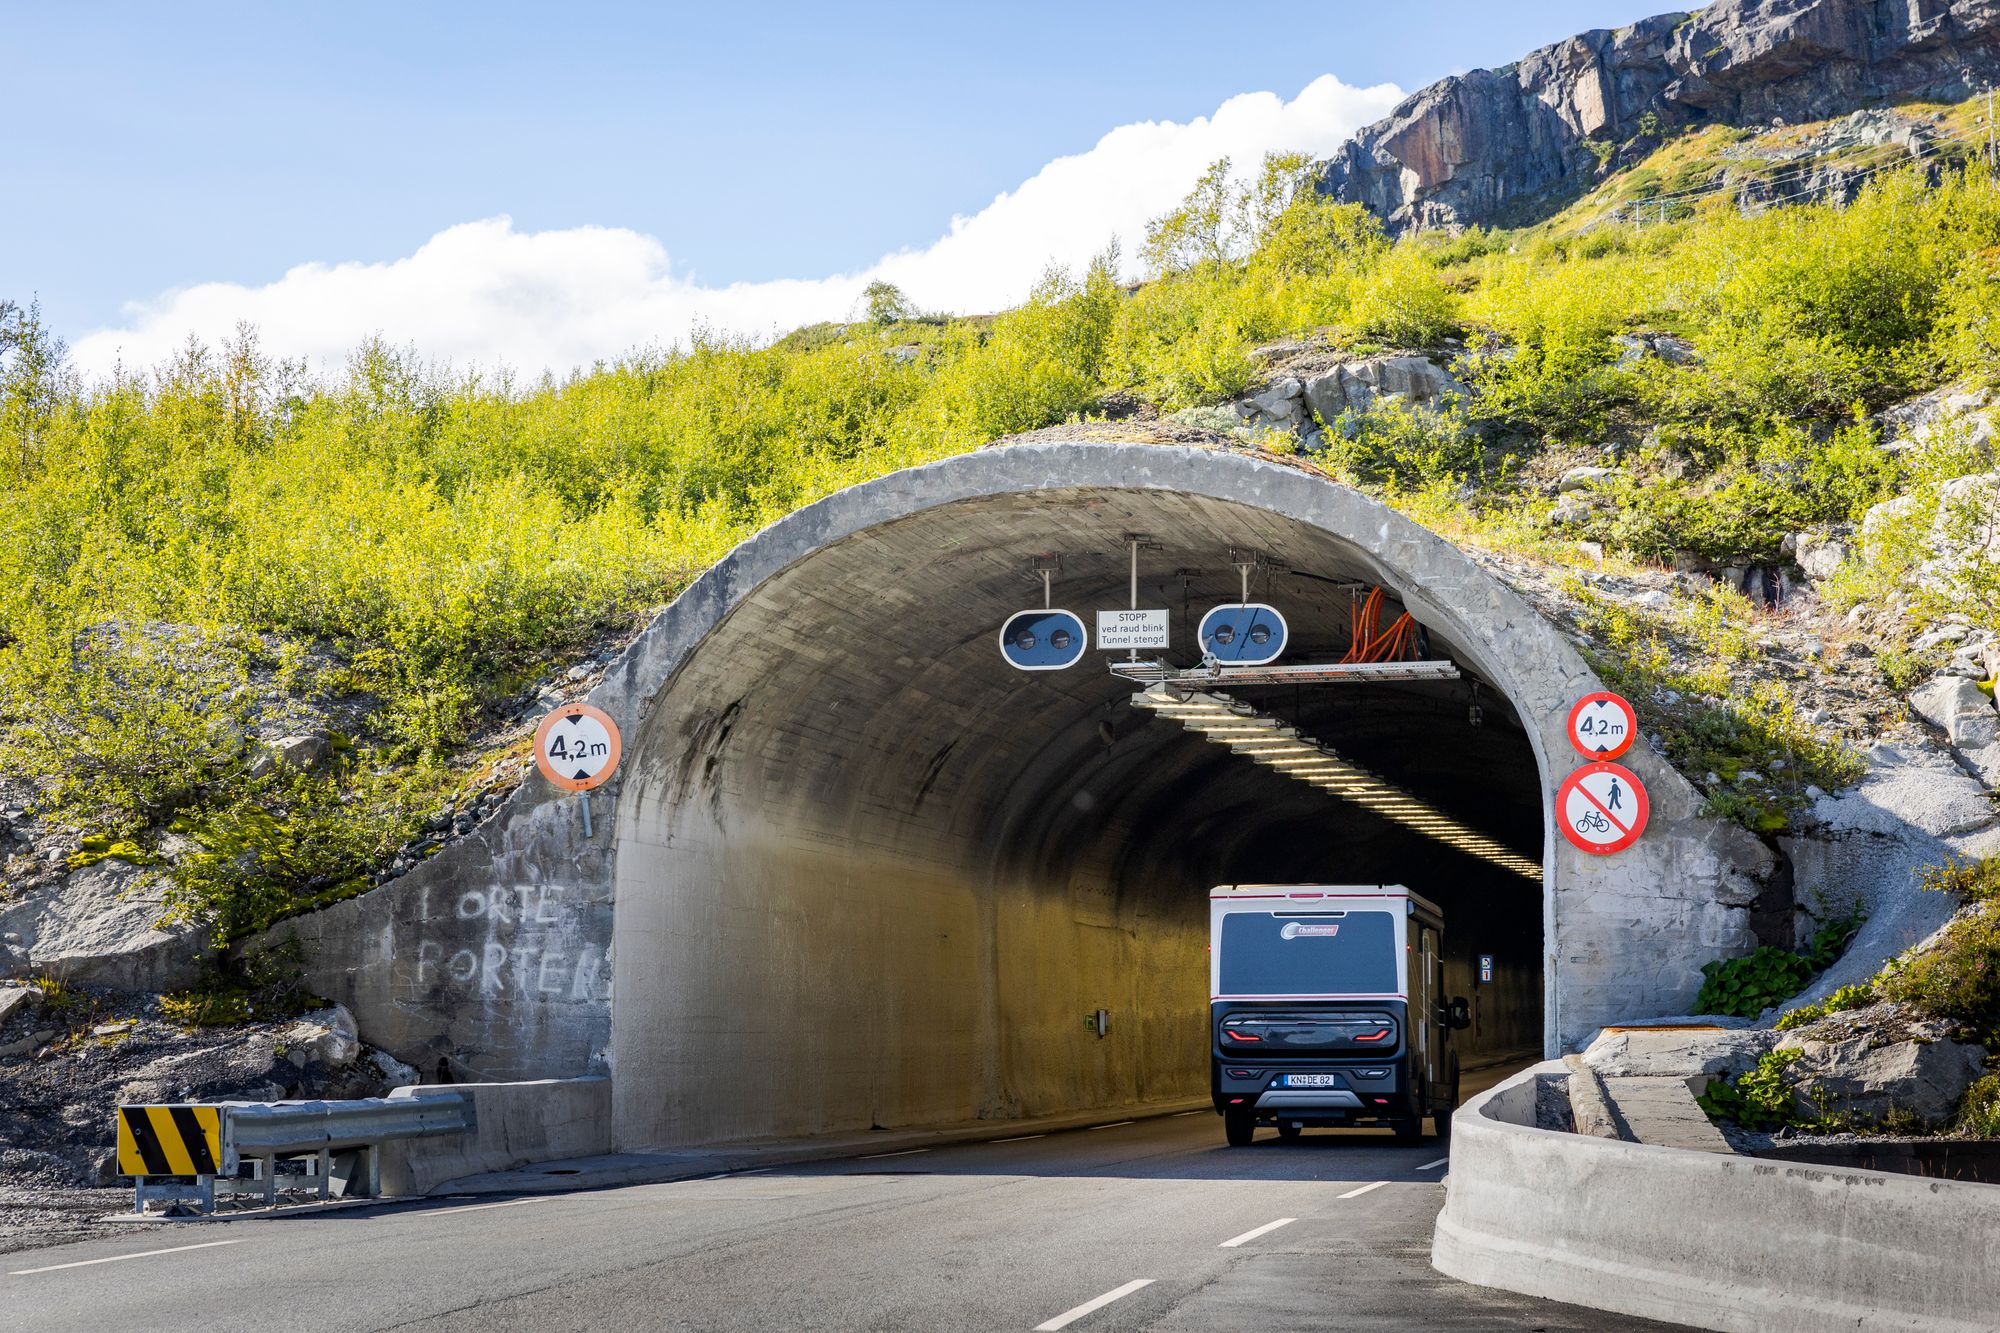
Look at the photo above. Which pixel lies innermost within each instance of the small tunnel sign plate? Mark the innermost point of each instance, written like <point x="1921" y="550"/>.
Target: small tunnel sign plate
<point x="1119" y="630"/>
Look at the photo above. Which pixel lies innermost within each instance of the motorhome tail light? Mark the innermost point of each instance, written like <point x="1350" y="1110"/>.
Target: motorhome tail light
<point x="1235" y="1101"/>
<point x="1381" y="1101"/>
<point x="1371" y="1036"/>
<point x="1242" y="1073"/>
<point x="1234" y="1035"/>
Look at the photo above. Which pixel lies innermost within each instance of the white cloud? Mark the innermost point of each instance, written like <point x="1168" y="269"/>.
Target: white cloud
<point x="482" y="293"/>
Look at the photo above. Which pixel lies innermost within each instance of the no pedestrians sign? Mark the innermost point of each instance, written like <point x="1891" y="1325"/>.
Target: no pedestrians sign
<point x="1602" y="808"/>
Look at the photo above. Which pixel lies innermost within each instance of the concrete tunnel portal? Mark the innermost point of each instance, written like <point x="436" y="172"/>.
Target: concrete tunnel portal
<point x="890" y="875"/>
<point x="855" y="870"/>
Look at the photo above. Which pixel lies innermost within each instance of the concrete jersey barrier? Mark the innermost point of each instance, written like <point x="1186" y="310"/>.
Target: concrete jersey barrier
<point x="1741" y="1244"/>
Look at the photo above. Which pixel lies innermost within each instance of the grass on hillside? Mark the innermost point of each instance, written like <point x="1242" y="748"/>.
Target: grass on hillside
<point x="445" y="535"/>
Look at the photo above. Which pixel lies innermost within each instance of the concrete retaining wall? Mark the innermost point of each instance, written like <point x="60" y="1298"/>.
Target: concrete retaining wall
<point x="1722" y="1242"/>
<point x="519" y="1123"/>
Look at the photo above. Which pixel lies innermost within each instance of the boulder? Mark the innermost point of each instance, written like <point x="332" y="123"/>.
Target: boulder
<point x="1958" y="706"/>
<point x="1584" y="478"/>
<point x="327" y="1035"/>
<point x="1818" y="556"/>
<point x="17" y="1000"/>
<point x="1869" y="1062"/>
<point x="1676" y="1052"/>
<point x="1665" y="347"/>
<point x="101" y="925"/>
<point x="1358" y="385"/>
<point x="294" y="754"/>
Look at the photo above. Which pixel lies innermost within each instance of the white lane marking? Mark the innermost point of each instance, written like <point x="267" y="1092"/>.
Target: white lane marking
<point x="1439" y="1162"/>
<point x="120" y="1258"/>
<point x="1251" y="1235"/>
<point x="1203" y="1111"/>
<point x="904" y="1153"/>
<point x="1364" y="1189"/>
<point x="1068" y="1317"/>
<point x="511" y="1203"/>
<point x="1020" y="1138"/>
<point x="1113" y="1125"/>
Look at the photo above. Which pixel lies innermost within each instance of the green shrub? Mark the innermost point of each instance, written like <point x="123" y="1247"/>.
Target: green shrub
<point x="1745" y="987"/>
<point x="1979" y="1110"/>
<point x="1847" y="997"/>
<point x="1958" y="976"/>
<point x="1759" y="1098"/>
<point x="295" y="842"/>
<point x="1405" y="301"/>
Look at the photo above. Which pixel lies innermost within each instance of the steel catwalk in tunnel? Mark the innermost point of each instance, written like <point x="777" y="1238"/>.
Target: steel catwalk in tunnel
<point x="892" y="874"/>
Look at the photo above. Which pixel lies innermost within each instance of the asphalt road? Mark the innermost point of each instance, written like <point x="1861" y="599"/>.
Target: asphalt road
<point x="1331" y="1231"/>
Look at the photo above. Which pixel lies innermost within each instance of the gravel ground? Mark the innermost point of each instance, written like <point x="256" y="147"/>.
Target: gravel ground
<point x="58" y="1144"/>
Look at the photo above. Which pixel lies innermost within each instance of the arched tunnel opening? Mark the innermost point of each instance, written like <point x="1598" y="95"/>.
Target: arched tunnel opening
<point x="869" y="874"/>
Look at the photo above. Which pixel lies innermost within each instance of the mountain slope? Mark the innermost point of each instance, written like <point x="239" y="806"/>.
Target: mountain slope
<point x="1507" y="146"/>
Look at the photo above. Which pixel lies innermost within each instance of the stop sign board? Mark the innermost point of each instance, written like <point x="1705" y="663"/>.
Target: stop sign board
<point x="1602" y="808"/>
<point x="577" y="747"/>
<point x="1602" y="725"/>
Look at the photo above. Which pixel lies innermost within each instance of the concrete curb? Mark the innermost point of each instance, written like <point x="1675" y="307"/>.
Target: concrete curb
<point x="611" y="1170"/>
<point x="1739" y="1244"/>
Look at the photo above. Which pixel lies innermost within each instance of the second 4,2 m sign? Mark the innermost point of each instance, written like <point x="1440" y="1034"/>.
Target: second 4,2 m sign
<point x="1602" y="808"/>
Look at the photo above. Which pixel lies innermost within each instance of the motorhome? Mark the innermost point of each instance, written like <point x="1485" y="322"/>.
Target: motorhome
<point x="1327" y="1007"/>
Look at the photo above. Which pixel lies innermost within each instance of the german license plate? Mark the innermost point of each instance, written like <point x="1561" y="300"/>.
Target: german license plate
<point x="1312" y="1080"/>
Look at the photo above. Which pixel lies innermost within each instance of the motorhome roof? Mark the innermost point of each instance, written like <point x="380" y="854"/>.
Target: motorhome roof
<point x="1310" y="892"/>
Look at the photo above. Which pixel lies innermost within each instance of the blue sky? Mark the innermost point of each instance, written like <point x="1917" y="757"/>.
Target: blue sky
<point x="170" y="146"/>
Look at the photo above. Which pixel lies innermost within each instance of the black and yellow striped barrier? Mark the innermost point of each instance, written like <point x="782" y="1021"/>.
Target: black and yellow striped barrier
<point x="170" y="1141"/>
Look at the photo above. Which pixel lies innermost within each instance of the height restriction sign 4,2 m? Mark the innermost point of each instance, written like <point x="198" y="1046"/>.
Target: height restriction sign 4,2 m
<point x="577" y="747"/>
<point x="1602" y="725"/>
<point x="1602" y="808"/>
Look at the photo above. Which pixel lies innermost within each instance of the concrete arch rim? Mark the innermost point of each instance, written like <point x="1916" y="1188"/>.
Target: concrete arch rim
<point x="1395" y="546"/>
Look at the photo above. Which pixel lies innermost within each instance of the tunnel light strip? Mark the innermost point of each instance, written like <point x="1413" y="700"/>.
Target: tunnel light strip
<point x="1264" y="740"/>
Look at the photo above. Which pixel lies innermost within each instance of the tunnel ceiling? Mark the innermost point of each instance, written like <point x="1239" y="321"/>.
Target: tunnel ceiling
<point x="860" y="694"/>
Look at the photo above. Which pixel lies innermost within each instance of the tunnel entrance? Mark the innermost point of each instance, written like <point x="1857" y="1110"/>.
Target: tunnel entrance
<point x="869" y="874"/>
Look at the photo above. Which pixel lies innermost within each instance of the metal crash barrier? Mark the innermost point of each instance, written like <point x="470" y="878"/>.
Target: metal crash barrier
<point x="257" y="1154"/>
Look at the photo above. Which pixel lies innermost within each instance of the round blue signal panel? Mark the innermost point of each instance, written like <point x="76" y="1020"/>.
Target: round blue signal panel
<point x="1243" y="634"/>
<point x="1043" y="640"/>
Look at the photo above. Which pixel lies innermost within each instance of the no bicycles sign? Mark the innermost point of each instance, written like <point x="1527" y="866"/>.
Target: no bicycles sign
<point x="1602" y="808"/>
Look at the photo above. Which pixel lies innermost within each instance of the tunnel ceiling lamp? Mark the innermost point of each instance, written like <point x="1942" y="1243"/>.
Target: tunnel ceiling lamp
<point x="1285" y="751"/>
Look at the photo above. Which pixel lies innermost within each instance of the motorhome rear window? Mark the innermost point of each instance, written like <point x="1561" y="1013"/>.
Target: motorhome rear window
<point x="1354" y="954"/>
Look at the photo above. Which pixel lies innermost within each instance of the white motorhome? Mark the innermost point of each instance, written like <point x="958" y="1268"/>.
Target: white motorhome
<point x="1327" y="1007"/>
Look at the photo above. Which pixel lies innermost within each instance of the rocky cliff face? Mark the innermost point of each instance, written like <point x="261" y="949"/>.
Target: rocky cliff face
<point x="1500" y="146"/>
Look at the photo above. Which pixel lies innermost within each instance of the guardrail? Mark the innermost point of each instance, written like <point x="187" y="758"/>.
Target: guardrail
<point x="336" y="1145"/>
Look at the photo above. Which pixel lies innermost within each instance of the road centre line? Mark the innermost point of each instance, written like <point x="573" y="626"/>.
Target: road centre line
<point x="1019" y="1138"/>
<point x="1364" y="1189"/>
<point x="1113" y="1125"/>
<point x="1439" y="1162"/>
<point x="1255" y="1232"/>
<point x="1070" y="1316"/>
<point x="119" y="1258"/>
<point x="869" y="1157"/>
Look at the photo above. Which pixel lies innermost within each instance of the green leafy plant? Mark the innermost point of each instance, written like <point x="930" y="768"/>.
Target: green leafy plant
<point x="1747" y="986"/>
<point x="1847" y="997"/>
<point x="1759" y="1098"/>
